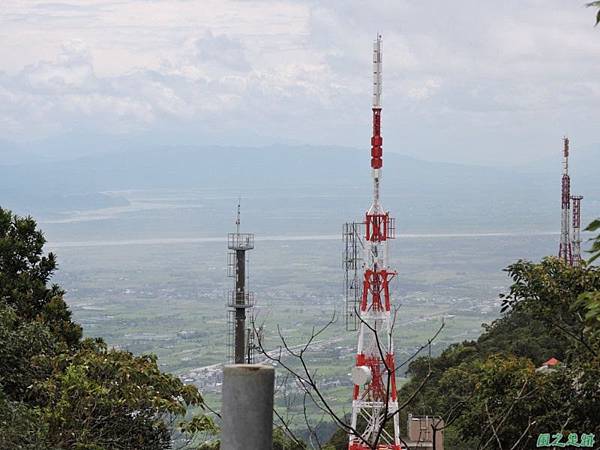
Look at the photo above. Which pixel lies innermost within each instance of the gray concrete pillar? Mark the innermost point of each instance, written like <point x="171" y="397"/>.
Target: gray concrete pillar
<point x="247" y="408"/>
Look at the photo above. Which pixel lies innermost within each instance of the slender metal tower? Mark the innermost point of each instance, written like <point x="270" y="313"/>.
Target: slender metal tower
<point x="576" y="239"/>
<point x="374" y="401"/>
<point x="564" y="249"/>
<point x="239" y="300"/>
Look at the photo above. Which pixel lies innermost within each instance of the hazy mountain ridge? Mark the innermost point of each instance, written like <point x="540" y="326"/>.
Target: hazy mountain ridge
<point x="426" y="189"/>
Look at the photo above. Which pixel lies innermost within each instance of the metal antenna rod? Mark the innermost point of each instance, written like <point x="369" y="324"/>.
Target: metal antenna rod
<point x="238" y="221"/>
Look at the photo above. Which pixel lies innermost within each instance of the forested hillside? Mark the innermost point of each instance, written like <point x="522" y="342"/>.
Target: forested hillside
<point x="488" y="393"/>
<point x="60" y="391"/>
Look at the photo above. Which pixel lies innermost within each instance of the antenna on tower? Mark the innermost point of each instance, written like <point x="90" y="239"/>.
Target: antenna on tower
<point x="240" y="301"/>
<point x="368" y="303"/>
<point x="576" y="235"/>
<point x="238" y="219"/>
<point x="564" y="248"/>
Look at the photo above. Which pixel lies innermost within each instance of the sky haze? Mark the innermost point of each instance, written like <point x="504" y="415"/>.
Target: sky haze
<point x="469" y="81"/>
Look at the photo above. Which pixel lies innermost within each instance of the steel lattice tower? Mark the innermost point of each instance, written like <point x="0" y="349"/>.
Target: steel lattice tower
<point x="369" y="305"/>
<point x="564" y="249"/>
<point x="239" y="300"/>
<point x="576" y="240"/>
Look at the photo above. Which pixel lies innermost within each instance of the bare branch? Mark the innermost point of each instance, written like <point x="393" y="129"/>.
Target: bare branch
<point x="424" y="346"/>
<point x="523" y="434"/>
<point x="306" y="378"/>
<point x="491" y="422"/>
<point x="285" y="425"/>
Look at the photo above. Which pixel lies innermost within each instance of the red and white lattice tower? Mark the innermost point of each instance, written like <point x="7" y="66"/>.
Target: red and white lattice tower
<point x="375" y="399"/>
<point x="564" y="249"/>
<point x="576" y="241"/>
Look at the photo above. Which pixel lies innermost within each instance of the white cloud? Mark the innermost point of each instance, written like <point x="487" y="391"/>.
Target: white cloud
<point x="220" y="52"/>
<point x="460" y="81"/>
<point x="424" y="90"/>
<point x="72" y="70"/>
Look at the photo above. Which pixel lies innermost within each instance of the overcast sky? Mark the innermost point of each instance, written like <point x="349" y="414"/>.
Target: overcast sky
<point x="467" y="80"/>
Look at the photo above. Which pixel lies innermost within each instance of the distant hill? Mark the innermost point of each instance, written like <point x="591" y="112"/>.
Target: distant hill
<point x="429" y="191"/>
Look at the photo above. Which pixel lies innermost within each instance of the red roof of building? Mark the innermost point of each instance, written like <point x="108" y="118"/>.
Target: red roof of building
<point x="551" y="362"/>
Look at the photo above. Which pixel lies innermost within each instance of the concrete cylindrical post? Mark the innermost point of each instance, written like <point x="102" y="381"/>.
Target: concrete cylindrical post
<point x="247" y="408"/>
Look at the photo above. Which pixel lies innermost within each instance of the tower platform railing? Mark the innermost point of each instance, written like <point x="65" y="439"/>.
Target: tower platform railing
<point x="240" y="241"/>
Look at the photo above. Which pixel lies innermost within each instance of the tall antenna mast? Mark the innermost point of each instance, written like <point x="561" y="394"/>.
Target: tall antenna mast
<point x="238" y="220"/>
<point x="368" y="304"/>
<point x="564" y="249"/>
<point x="576" y="240"/>
<point x="239" y="300"/>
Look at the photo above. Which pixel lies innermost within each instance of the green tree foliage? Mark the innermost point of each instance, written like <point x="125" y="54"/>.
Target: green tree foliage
<point x="594" y="226"/>
<point x="119" y="398"/>
<point x="26" y="348"/>
<point x="590" y="301"/>
<point x="21" y="426"/>
<point x="595" y="5"/>
<point x="550" y="291"/>
<point x="59" y="391"/>
<point x="24" y="276"/>
<point x="489" y="392"/>
<point x="281" y="441"/>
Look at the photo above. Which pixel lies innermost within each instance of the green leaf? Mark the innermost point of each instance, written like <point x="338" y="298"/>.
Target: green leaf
<point x="595" y="224"/>
<point x="595" y="5"/>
